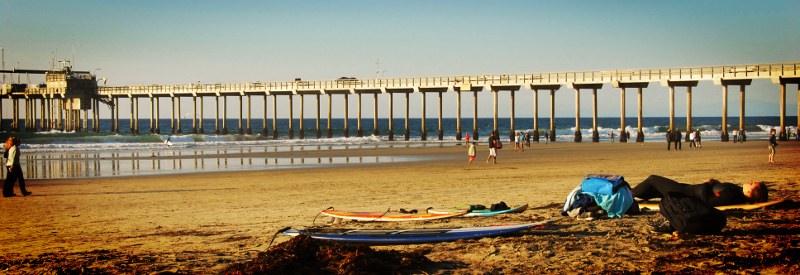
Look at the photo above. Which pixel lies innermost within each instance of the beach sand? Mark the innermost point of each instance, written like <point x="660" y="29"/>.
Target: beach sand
<point x="202" y="222"/>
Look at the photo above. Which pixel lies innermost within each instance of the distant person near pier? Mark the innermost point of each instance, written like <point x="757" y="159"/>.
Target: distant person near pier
<point x="773" y="142"/>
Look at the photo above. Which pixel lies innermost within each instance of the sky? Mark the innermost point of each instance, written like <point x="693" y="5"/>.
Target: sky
<point x="176" y="42"/>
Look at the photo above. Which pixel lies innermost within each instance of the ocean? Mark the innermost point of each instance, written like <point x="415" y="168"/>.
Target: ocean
<point x="57" y="154"/>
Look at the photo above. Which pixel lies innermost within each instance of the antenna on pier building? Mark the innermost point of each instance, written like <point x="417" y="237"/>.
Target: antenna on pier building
<point x="378" y="72"/>
<point x="3" y="53"/>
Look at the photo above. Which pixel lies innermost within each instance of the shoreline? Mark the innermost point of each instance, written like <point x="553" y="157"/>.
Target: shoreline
<point x="221" y="217"/>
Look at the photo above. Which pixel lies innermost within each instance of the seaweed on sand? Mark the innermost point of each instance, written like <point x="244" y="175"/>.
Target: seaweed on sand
<point x="305" y="255"/>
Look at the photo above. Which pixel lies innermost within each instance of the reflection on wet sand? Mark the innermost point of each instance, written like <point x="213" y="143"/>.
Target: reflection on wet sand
<point x="111" y="164"/>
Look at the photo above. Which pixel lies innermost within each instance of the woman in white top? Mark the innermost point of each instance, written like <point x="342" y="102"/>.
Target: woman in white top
<point x="14" y="169"/>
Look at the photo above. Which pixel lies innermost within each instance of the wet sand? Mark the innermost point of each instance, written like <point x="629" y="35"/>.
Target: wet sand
<point x="202" y="222"/>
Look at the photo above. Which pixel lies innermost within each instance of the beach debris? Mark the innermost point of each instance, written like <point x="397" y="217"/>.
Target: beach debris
<point x="304" y="255"/>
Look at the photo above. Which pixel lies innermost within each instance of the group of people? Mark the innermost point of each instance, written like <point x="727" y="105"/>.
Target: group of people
<point x="739" y="136"/>
<point x="520" y="141"/>
<point x="674" y="139"/>
<point x="13" y="168"/>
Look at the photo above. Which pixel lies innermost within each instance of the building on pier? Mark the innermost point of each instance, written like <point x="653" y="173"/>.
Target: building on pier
<point x="60" y="99"/>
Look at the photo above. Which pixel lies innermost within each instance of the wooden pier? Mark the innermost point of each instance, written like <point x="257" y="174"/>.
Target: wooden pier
<point x="67" y="98"/>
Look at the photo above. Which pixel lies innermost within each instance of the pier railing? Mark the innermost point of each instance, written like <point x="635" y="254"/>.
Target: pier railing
<point x="749" y="71"/>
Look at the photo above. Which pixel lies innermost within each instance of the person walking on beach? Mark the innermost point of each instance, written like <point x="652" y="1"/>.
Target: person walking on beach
<point x="612" y="136"/>
<point x="773" y="142"/>
<point x="692" y="142"/>
<point x="467" y="140"/>
<point x="471" y="152"/>
<point x="518" y="142"/>
<point x="697" y="139"/>
<point x="528" y="139"/>
<point x="492" y="148"/>
<point x="13" y="168"/>
<point x="735" y="135"/>
<point x="669" y="139"/>
<point x="677" y="139"/>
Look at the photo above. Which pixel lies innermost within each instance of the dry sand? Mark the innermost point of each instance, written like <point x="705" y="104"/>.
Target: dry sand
<point x="200" y="223"/>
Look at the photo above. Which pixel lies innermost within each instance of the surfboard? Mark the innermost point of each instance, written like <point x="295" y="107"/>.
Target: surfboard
<point x="411" y="236"/>
<point x="388" y="216"/>
<point x="655" y="206"/>
<point x="481" y="213"/>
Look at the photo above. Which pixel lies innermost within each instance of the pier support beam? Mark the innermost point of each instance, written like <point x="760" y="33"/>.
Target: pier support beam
<point x="319" y="133"/>
<point x="359" y="130"/>
<point x="375" y="131"/>
<point x="249" y="130"/>
<point x="553" y="88"/>
<point x="391" y="92"/>
<point x="680" y="83"/>
<point x="194" y="114"/>
<point x="440" y="129"/>
<point x="178" y="118"/>
<point x="264" y="127"/>
<point x="172" y="120"/>
<point x="423" y="91"/>
<point x="240" y="131"/>
<point x="291" y="117"/>
<point x="330" y="113"/>
<point x="216" y="114"/>
<point x="330" y="93"/>
<point x="217" y="130"/>
<point x="724" y="136"/>
<point x="374" y="93"/>
<point x="224" y="115"/>
<point x="136" y="116"/>
<point x="474" y="89"/>
<point x="622" y="86"/>
<point x="512" y="89"/>
<point x="152" y="114"/>
<point x="577" y="87"/>
<point x="783" y="81"/>
<point x="406" y="130"/>
<point x="116" y="117"/>
<point x="423" y="134"/>
<point x="201" y="130"/>
<point x="301" y="131"/>
<point x="274" y="116"/>
<point x="346" y="114"/>
<point x="158" y="116"/>
<point x="391" y="116"/>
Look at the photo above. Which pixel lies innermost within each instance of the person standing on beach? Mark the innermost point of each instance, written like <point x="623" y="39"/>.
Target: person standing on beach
<point x="492" y="148"/>
<point x="471" y="152"/>
<point x="677" y="139"/>
<point x="697" y="139"/>
<point x="528" y="139"/>
<point x="14" y="169"/>
<point x="735" y="135"/>
<point x="669" y="139"/>
<point x="467" y="140"/>
<point x="773" y="142"/>
<point x="692" y="142"/>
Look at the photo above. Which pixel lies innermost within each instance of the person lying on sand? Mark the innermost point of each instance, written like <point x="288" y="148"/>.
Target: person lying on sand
<point x="712" y="192"/>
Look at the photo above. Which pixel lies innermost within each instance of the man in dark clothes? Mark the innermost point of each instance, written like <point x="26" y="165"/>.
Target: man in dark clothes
<point x="669" y="139"/>
<point x="712" y="192"/>
<point x="676" y="137"/>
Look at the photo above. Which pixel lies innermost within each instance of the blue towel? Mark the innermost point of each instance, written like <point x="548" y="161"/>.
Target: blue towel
<point x="617" y="204"/>
<point x="606" y="185"/>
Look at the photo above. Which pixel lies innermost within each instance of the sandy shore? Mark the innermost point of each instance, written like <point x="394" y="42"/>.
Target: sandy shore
<point x="199" y="223"/>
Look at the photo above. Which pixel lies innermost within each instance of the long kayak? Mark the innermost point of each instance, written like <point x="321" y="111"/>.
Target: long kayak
<point x="411" y="236"/>
<point x="481" y="213"/>
<point x="389" y="216"/>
